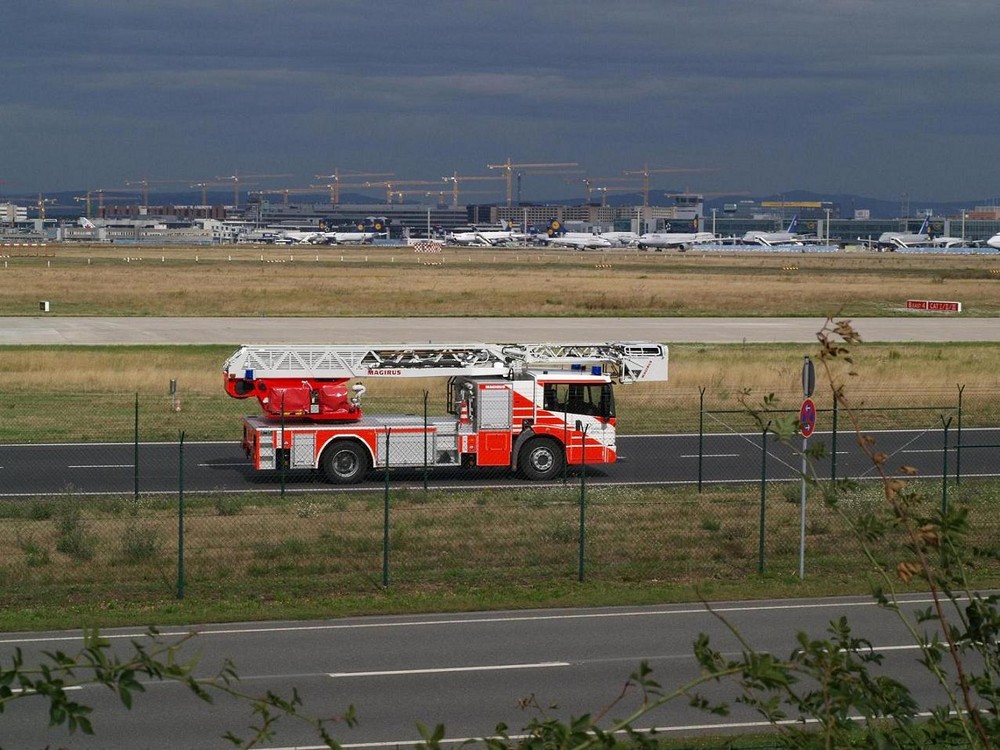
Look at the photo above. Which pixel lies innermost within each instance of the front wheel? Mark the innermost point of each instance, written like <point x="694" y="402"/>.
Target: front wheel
<point x="345" y="462"/>
<point x="541" y="459"/>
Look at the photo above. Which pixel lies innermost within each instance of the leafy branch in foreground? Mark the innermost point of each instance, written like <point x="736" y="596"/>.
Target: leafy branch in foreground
<point x="154" y="659"/>
<point x="833" y="692"/>
<point x="937" y="553"/>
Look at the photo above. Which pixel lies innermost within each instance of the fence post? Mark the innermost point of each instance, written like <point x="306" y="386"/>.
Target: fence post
<point x="280" y="449"/>
<point x="135" y="454"/>
<point x="583" y="503"/>
<point x="385" y="516"/>
<point x="833" y="442"/>
<point x="180" y="517"/>
<point x="565" y="471"/>
<point x="425" y="440"/>
<point x="763" y="497"/>
<point x="958" y="442"/>
<point x="701" y="432"/>
<point x="944" y="468"/>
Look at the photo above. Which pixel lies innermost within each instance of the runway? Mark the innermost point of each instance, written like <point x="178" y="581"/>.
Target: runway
<point x="39" y="330"/>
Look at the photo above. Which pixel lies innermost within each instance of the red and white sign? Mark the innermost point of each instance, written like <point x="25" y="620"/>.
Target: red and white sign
<point x="807" y="418"/>
<point x="933" y="305"/>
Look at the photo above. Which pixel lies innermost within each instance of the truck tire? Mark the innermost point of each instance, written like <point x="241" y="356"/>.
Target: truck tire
<point x="541" y="459"/>
<point x="344" y="462"/>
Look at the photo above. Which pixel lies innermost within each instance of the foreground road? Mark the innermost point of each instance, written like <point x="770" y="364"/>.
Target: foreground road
<point x="84" y="330"/>
<point x="467" y="671"/>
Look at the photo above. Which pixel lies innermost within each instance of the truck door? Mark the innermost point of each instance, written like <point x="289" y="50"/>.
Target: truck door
<point x="493" y="423"/>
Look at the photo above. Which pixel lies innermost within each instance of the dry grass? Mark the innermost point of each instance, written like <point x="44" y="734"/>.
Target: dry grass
<point x="222" y="281"/>
<point x="332" y="544"/>
<point x="907" y="367"/>
<point x="87" y="393"/>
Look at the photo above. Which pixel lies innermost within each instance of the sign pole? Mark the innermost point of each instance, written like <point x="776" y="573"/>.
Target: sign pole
<point x="802" y="514"/>
<point x="807" y="422"/>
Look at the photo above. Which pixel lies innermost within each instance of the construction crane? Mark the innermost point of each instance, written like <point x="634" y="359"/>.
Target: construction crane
<point x="236" y="178"/>
<point x="390" y="187"/>
<point x="86" y="198"/>
<point x="597" y="183"/>
<point x="646" y="172"/>
<point x="41" y="205"/>
<point x="100" y="193"/>
<point x="145" y="182"/>
<point x="508" y="172"/>
<point x="285" y="192"/>
<point x="456" y="177"/>
<point x="605" y="189"/>
<point x="204" y="186"/>
<point x="401" y="194"/>
<point x="334" y="186"/>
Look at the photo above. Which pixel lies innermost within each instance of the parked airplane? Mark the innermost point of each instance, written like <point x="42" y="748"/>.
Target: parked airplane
<point x="923" y="238"/>
<point x="484" y="237"/>
<point x="299" y="237"/>
<point x="371" y="228"/>
<point x="621" y="239"/>
<point x="680" y="240"/>
<point x="789" y="236"/>
<point x="994" y="241"/>
<point x="556" y="235"/>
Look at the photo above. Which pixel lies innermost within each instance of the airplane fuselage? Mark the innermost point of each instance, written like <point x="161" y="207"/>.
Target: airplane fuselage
<point x="580" y="240"/>
<point x="674" y="239"/>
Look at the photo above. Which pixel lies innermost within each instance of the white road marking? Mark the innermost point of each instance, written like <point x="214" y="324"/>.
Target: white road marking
<point x="101" y="466"/>
<point x="698" y="610"/>
<point x="440" y="670"/>
<point x="710" y="455"/>
<point x="686" y="728"/>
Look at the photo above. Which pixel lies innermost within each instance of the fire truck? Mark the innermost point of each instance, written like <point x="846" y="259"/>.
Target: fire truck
<point x="533" y="408"/>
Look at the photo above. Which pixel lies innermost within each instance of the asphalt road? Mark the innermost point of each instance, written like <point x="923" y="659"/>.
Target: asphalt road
<point x="467" y="671"/>
<point x="361" y="330"/>
<point x="651" y="459"/>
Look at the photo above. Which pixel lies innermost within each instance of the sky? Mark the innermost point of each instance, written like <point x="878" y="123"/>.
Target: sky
<point x="883" y="98"/>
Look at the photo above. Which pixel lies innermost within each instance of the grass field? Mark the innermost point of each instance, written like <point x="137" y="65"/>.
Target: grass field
<point x="335" y="281"/>
<point x="87" y="393"/>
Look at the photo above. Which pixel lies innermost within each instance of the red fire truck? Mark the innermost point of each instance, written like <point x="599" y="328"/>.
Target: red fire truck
<point x="530" y="407"/>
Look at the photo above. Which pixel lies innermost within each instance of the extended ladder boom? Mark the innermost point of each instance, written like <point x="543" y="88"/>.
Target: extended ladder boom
<point x="626" y="361"/>
<point x="311" y="377"/>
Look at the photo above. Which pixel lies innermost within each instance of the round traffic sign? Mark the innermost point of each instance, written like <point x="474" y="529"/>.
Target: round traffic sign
<point x="807" y="417"/>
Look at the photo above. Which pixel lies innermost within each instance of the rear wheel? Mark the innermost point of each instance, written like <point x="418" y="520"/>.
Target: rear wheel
<point x="345" y="462"/>
<point x="541" y="459"/>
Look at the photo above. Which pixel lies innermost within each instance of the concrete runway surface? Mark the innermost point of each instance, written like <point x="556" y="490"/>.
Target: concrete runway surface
<point x="94" y="330"/>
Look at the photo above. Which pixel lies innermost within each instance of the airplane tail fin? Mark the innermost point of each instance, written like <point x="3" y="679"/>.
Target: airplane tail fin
<point x="926" y="225"/>
<point x="87" y="223"/>
<point x="793" y="225"/>
<point x="374" y="224"/>
<point x="554" y="228"/>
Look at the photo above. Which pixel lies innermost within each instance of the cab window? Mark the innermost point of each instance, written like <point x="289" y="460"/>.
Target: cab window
<point x="594" y="400"/>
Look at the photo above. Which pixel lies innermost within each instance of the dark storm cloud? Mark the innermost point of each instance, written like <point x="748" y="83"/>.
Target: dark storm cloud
<point x="866" y="96"/>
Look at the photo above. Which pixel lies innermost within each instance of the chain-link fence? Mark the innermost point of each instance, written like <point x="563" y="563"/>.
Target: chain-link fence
<point x="108" y="498"/>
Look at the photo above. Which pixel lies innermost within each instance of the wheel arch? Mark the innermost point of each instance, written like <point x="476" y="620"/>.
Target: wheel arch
<point x="524" y="437"/>
<point x="347" y="438"/>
